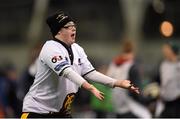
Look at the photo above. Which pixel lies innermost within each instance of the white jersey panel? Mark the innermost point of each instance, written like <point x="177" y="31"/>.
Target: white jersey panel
<point x="83" y="60"/>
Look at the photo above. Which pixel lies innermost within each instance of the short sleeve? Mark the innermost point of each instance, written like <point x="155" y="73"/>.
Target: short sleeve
<point x="55" y="58"/>
<point x="86" y="64"/>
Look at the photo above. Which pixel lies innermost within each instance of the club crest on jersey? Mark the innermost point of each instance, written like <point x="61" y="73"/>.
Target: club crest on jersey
<point x="56" y="58"/>
<point x="79" y="62"/>
<point x="60" y="65"/>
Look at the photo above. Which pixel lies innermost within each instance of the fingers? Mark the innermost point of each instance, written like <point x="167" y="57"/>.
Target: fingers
<point x="100" y="95"/>
<point x="135" y="89"/>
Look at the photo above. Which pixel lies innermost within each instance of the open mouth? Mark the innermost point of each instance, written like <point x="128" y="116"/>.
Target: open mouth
<point x="73" y="35"/>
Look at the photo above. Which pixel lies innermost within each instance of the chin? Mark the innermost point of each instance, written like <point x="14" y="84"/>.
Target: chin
<point x="73" y="40"/>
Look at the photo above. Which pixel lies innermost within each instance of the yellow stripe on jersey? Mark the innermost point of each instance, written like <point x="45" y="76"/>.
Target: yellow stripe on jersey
<point x="24" y="115"/>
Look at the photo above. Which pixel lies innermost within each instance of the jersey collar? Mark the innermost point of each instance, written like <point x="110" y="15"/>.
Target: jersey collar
<point x="68" y="48"/>
<point x="63" y="43"/>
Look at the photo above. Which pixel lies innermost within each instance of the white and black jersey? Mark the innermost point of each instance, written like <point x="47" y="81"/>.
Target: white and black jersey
<point x="51" y="91"/>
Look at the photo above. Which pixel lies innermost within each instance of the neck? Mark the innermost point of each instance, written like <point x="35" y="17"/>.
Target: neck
<point x="173" y="58"/>
<point x="129" y="56"/>
<point x="58" y="37"/>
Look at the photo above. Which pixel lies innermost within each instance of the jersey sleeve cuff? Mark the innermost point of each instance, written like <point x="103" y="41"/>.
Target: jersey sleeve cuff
<point x="88" y="72"/>
<point x="61" y="73"/>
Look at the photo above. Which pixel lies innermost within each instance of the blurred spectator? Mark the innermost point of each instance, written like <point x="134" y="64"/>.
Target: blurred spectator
<point x="2" y="96"/>
<point x="126" y="66"/>
<point x="169" y="80"/>
<point x="8" y="91"/>
<point x="28" y="74"/>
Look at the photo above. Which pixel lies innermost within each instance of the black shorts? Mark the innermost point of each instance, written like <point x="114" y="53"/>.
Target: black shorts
<point x="26" y="115"/>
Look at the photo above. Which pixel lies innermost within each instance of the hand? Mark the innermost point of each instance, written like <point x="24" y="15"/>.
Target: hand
<point x="127" y="85"/>
<point x="97" y="93"/>
<point x="133" y="88"/>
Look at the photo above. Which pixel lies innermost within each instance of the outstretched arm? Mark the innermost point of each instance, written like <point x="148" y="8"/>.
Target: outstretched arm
<point x="76" y="78"/>
<point x="103" y="79"/>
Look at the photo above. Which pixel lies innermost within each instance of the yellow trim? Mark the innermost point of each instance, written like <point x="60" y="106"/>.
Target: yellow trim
<point x="24" y="115"/>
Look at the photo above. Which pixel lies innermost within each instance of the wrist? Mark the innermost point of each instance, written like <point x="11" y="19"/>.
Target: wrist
<point x="88" y="86"/>
<point x="118" y="83"/>
<point x="121" y="84"/>
<point x="91" y="87"/>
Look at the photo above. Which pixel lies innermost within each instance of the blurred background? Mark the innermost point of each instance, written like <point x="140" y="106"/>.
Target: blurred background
<point x="102" y="25"/>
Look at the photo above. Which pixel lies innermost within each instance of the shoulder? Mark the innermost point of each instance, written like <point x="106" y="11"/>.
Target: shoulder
<point x="79" y="50"/>
<point x="77" y="47"/>
<point x="51" y="46"/>
<point x="118" y="60"/>
<point x="165" y="62"/>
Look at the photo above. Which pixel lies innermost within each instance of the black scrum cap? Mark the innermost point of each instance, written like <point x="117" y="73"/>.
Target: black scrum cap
<point x="57" y="21"/>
